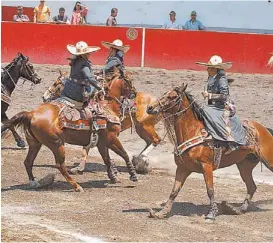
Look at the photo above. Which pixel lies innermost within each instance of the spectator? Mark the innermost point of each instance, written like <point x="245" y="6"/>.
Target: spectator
<point x="79" y="14"/>
<point x="61" y="18"/>
<point x="172" y="24"/>
<point x="20" y="17"/>
<point x="111" y="21"/>
<point x="193" y="23"/>
<point x="41" y="13"/>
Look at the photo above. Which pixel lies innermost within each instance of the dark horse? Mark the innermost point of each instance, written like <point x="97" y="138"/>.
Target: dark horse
<point x="20" y="67"/>
<point x="183" y="119"/>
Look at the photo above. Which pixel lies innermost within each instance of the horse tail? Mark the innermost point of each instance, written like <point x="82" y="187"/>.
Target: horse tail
<point x="270" y="130"/>
<point x="21" y="118"/>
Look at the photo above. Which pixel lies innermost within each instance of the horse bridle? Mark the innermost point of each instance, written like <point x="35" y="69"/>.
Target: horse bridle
<point x="24" y="65"/>
<point x="176" y="101"/>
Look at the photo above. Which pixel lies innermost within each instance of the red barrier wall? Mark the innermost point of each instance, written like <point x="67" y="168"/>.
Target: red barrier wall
<point x="46" y="43"/>
<point x="168" y="49"/>
<point x="9" y="11"/>
<point x="173" y="49"/>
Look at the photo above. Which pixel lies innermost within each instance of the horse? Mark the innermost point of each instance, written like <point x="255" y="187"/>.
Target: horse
<point x="183" y="120"/>
<point x="143" y="122"/>
<point x="43" y="126"/>
<point x="20" y="67"/>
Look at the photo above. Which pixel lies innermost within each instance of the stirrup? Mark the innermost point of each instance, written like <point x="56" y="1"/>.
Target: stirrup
<point x="217" y="156"/>
<point x="208" y="138"/>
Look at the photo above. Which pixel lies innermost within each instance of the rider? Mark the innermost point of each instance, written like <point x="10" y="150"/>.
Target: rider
<point x="81" y="75"/>
<point x="115" y="57"/>
<point x="219" y="114"/>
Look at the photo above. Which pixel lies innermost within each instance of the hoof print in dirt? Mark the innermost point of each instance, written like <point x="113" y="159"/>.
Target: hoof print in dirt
<point x="46" y="181"/>
<point x="229" y="209"/>
<point x="141" y="164"/>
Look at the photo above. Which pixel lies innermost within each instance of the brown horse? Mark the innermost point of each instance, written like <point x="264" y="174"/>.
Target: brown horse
<point x="143" y="122"/>
<point x="42" y="126"/>
<point x="183" y="120"/>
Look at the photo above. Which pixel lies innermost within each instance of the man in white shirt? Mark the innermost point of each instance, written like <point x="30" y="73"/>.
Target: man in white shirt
<point x="172" y="23"/>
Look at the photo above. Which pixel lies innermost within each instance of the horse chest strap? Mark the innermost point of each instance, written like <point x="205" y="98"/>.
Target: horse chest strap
<point x="190" y="143"/>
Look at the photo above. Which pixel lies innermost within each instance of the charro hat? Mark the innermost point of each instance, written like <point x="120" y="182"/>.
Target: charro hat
<point x="81" y="48"/>
<point x="216" y="62"/>
<point x="116" y="44"/>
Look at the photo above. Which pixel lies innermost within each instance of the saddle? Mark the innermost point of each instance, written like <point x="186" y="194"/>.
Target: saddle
<point x="93" y="117"/>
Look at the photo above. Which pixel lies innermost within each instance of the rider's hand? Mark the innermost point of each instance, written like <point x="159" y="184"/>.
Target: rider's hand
<point x="205" y="94"/>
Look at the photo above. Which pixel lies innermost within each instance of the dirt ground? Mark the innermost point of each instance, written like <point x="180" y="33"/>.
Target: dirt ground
<point x="106" y="212"/>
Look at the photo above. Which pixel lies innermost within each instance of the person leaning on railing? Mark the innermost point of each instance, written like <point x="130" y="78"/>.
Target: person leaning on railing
<point x="61" y="18"/>
<point x="20" y="17"/>
<point x="193" y="23"/>
<point x="41" y="13"/>
<point x="79" y="14"/>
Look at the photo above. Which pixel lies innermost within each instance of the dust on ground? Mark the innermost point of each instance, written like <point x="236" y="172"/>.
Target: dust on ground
<point x="106" y="212"/>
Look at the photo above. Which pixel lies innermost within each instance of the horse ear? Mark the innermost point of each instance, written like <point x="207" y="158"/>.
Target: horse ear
<point x="60" y="72"/>
<point x="185" y="87"/>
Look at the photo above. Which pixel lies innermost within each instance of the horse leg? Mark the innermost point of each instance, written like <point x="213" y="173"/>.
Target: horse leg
<point x="59" y="154"/>
<point x="33" y="150"/>
<point x="246" y="167"/>
<point x="148" y="134"/>
<point x="80" y="168"/>
<point x="117" y="147"/>
<point x="104" y="152"/>
<point x="208" y="176"/>
<point x="20" y="142"/>
<point x="182" y="174"/>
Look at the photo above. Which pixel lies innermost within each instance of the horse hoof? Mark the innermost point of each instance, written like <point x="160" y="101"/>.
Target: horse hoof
<point x="133" y="178"/>
<point x="79" y="189"/>
<point x="158" y="215"/>
<point x="34" y="184"/>
<point x="209" y="220"/>
<point x="75" y="171"/>
<point x="21" y="144"/>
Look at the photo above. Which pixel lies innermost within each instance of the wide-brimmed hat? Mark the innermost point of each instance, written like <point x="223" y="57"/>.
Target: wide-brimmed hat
<point x="81" y="48"/>
<point x="116" y="44"/>
<point x="216" y="62"/>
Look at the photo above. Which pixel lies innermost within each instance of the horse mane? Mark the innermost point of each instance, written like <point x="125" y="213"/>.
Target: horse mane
<point x="169" y="121"/>
<point x="195" y="107"/>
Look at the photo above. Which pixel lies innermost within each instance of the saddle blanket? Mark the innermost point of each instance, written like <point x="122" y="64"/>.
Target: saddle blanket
<point x="81" y="119"/>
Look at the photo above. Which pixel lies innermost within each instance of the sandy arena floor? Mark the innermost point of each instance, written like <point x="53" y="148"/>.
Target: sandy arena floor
<point x="119" y="212"/>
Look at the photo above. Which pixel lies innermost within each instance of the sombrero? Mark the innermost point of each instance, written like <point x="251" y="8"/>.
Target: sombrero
<point x="116" y="44"/>
<point x="216" y="62"/>
<point x="81" y="48"/>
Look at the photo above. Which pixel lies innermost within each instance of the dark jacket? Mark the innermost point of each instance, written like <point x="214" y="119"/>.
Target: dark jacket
<point x="218" y="87"/>
<point x="81" y="76"/>
<point x="115" y="61"/>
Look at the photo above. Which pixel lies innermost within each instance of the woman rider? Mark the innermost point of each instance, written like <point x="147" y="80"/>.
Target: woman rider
<point x="115" y="57"/>
<point x="219" y="114"/>
<point x="81" y="74"/>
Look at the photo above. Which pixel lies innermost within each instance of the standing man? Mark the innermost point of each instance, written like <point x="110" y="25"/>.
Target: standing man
<point x="41" y="13"/>
<point x="61" y="18"/>
<point x="20" y="17"/>
<point x="193" y="23"/>
<point x="111" y="21"/>
<point x="172" y="24"/>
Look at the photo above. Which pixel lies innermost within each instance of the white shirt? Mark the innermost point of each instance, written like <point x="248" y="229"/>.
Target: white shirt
<point x="172" y="25"/>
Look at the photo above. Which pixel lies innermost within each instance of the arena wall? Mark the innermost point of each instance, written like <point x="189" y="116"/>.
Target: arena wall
<point x="168" y="49"/>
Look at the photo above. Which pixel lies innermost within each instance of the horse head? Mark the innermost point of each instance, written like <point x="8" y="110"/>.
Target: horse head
<point x="26" y="68"/>
<point x="170" y="102"/>
<point x="54" y="91"/>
